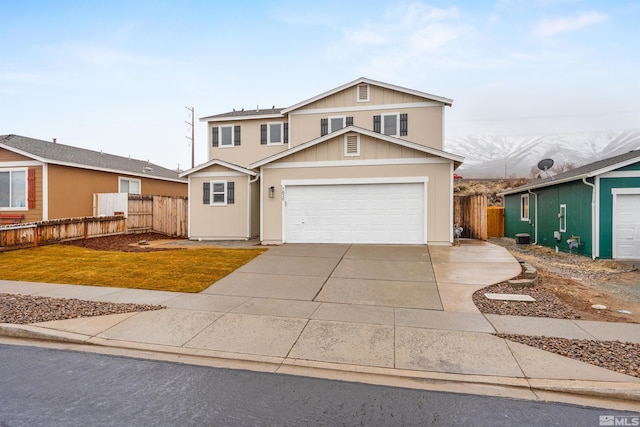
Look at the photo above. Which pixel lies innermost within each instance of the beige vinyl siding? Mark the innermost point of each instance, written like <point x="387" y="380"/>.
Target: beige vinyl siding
<point x="424" y="124"/>
<point x="249" y="149"/>
<point x="377" y="96"/>
<point x="370" y="149"/>
<point x="438" y="193"/>
<point x="229" y="222"/>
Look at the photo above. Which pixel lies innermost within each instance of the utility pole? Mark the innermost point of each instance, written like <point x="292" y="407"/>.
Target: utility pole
<point x="193" y="156"/>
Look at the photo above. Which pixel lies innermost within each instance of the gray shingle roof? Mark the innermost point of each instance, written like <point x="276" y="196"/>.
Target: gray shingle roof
<point x="88" y="159"/>
<point x="578" y="173"/>
<point x="246" y="113"/>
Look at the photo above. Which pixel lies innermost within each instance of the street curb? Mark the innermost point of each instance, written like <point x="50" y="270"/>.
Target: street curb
<point x="39" y="333"/>
<point x="463" y="383"/>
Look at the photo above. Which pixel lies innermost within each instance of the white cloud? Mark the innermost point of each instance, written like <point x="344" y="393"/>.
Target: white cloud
<point x="104" y="56"/>
<point x="551" y="27"/>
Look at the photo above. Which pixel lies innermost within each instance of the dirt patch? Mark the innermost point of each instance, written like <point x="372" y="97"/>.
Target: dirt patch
<point x="490" y="187"/>
<point x="580" y="282"/>
<point x="123" y="242"/>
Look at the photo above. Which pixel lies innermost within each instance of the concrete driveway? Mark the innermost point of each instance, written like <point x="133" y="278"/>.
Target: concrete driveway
<point x="397" y="276"/>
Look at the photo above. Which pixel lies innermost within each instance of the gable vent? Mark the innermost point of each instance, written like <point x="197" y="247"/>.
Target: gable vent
<point x="363" y="92"/>
<point x="351" y="145"/>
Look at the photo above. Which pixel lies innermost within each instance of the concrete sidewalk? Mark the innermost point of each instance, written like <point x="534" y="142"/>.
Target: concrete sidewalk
<point x="399" y="315"/>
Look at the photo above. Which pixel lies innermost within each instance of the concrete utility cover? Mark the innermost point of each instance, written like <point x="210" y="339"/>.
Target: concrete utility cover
<point x="510" y="297"/>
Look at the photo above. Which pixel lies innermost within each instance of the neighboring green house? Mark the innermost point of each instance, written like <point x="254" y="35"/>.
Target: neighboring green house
<point x="593" y="210"/>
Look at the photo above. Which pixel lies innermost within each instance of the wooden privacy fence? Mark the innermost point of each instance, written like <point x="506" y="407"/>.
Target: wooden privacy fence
<point x="470" y="213"/>
<point x="145" y="213"/>
<point x="478" y="220"/>
<point x="495" y="221"/>
<point x="170" y="215"/>
<point x="43" y="232"/>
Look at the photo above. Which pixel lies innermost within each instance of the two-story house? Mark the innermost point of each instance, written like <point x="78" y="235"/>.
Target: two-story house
<point x="361" y="163"/>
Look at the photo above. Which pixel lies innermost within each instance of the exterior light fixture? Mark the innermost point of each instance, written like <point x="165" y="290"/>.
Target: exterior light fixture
<point x="272" y="191"/>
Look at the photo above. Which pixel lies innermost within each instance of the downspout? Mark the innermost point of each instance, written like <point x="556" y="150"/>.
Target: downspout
<point x="535" y="218"/>
<point x="593" y="216"/>
<point x="249" y="210"/>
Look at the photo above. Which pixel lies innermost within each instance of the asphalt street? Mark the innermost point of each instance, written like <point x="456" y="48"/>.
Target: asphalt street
<point x="41" y="386"/>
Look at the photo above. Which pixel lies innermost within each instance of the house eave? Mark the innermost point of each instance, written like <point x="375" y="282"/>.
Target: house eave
<point x="220" y="163"/>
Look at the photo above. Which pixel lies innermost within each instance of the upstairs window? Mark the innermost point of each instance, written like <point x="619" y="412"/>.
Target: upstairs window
<point x="274" y="133"/>
<point x="524" y="207"/>
<point x="225" y="136"/>
<point x="390" y="124"/>
<point x="13" y="189"/>
<point x="336" y="123"/>
<point x="393" y="124"/>
<point x="129" y="185"/>
<point x="332" y="124"/>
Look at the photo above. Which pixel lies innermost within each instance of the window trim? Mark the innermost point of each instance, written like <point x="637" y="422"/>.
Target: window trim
<point x="281" y="124"/>
<point x="26" y="190"/>
<point x="126" y="178"/>
<point x="330" y="118"/>
<point x="346" y="151"/>
<point x="524" y="197"/>
<point x="212" y="201"/>
<point x="397" y="116"/>
<point x="562" y="217"/>
<point x="220" y="144"/>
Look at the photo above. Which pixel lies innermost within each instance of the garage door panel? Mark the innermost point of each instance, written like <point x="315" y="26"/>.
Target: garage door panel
<point x="627" y="226"/>
<point x="355" y="213"/>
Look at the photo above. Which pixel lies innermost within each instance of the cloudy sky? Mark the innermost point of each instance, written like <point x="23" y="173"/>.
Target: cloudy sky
<point x="117" y="75"/>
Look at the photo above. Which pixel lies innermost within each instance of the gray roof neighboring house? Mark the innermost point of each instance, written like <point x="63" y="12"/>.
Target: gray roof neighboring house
<point x="245" y="114"/>
<point x="585" y="171"/>
<point x="66" y="155"/>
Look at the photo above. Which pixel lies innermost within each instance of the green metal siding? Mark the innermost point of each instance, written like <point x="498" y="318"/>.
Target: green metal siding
<point x="512" y="223"/>
<point x="577" y="198"/>
<point x="606" y="207"/>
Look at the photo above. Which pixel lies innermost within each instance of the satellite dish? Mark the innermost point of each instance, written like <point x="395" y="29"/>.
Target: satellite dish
<point x="545" y="165"/>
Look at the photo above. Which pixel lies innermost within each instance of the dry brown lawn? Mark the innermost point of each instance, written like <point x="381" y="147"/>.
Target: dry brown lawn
<point x="174" y="270"/>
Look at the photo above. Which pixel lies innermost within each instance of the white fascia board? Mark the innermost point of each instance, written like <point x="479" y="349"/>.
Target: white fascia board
<point x="238" y="118"/>
<point x="351" y="181"/>
<point x="441" y="99"/>
<point x="20" y="164"/>
<point x="615" y="166"/>
<point x="390" y="139"/>
<point x="524" y="189"/>
<point x="220" y="163"/>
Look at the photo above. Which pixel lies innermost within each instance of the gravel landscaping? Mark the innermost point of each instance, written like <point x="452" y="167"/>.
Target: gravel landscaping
<point x="613" y="355"/>
<point x="25" y="309"/>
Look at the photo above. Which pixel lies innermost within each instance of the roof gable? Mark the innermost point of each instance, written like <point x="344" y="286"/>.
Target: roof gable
<point x="428" y="150"/>
<point x="445" y="101"/>
<point x="220" y="163"/>
<point x="66" y="155"/>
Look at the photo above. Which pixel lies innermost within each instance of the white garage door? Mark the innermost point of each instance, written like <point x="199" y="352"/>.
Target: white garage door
<point x="626" y="232"/>
<point x="355" y="213"/>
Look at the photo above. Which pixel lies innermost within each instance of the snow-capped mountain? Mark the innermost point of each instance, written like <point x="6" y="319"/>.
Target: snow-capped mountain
<point x="515" y="156"/>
